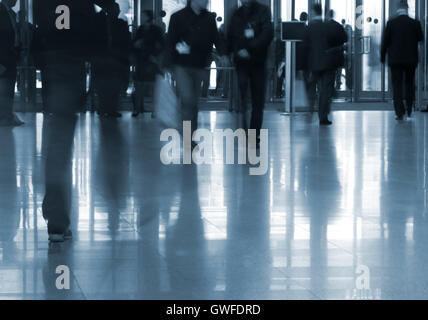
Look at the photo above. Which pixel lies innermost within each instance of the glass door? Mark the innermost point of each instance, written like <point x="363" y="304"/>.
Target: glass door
<point x="372" y="80"/>
<point x="364" y="78"/>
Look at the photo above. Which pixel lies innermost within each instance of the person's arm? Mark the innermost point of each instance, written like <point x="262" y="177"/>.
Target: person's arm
<point x="386" y="38"/>
<point x="173" y="35"/>
<point x="343" y="35"/>
<point x="266" y="35"/>
<point x="173" y="38"/>
<point x="230" y="36"/>
<point x="420" y="32"/>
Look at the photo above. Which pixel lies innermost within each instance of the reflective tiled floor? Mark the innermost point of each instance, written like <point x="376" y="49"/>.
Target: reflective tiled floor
<point x="334" y="200"/>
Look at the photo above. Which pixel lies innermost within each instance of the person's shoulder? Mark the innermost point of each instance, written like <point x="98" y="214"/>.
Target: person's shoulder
<point x="122" y="23"/>
<point x="261" y="7"/>
<point x="179" y="13"/>
<point x="416" y="22"/>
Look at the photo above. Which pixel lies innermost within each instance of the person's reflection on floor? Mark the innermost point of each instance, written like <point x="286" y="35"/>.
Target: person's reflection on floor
<point x="323" y="190"/>
<point x="63" y="55"/>
<point x="9" y="206"/>
<point x="248" y="257"/>
<point x="112" y="170"/>
<point x="186" y="252"/>
<point x="398" y="204"/>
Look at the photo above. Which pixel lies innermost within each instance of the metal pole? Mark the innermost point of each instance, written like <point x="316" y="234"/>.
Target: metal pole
<point x="290" y="74"/>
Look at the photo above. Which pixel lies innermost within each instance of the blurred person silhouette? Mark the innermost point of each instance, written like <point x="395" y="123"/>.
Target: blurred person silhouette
<point x="302" y="60"/>
<point x="223" y="76"/>
<point x="111" y="68"/>
<point x="400" y="43"/>
<point x="112" y="170"/>
<point x="185" y="242"/>
<point x="10" y="216"/>
<point x="348" y="55"/>
<point x="248" y="273"/>
<point x="250" y="35"/>
<point x="9" y="54"/>
<point x="63" y="52"/>
<point x="148" y="46"/>
<point x="324" y="42"/>
<point x="192" y="33"/>
<point x="330" y="15"/>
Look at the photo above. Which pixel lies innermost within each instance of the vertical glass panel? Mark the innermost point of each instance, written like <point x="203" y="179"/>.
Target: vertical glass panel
<point x="170" y="7"/>
<point x="371" y="73"/>
<point x="412" y="8"/>
<point x="345" y="14"/>
<point x="217" y="6"/>
<point x="284" y="10"/>
<point x="126" y="10"/>
<point x="299" y="7"/>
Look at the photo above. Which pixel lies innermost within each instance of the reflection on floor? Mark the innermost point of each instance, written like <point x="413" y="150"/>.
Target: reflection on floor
<point x="334" y="200"/>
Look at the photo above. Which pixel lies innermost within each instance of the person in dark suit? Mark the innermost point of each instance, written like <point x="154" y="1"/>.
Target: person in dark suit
<point x="250" y="35"/>
<point x="148" y="46"/>
<point x="324" y="42"/>
<point x="400" y="42"/>
<point x="192" y="33"/>
<point x="63" y="53"/>
<point x="111" y="67"/>
<point x="330" y="19"/>
<point x="9" y="54"/>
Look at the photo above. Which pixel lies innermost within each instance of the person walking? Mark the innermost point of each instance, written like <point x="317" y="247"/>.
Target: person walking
<point x="148" y="46"/>
<point x="63" y="53"/>
<point x="400" y="43"/>
<point x="250" y="35"/>
<point x="192" y="33"/>
<point x="9" y="54"/>
<point x="324" y="41"/>
<point x="111" y="68"/>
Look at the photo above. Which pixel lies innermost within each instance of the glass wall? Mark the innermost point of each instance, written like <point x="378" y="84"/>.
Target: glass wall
<point x="170" y="7"/>
<point x="372" y="36"/>
<point x="299" y="7"/>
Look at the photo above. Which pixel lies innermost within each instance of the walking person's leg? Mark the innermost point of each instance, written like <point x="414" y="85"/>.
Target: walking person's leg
<point x="326" y="93"/>
<point x="187" y="94"/>
<point x="410" y="88"/>
<point x="7" y="94"/>
<point x="243" y="82"/>
<point x="258" y="96"/>
<point x="397" y="75"/>
<point x="311" y="80"/>
<point x="63" y="97"/>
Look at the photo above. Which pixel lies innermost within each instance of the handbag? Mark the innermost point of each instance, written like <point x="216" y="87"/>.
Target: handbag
<point x="166" y="104"/>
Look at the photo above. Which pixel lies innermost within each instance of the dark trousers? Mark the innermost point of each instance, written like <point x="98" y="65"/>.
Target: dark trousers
<point x="206" y="83"/>
<point x="110" y="79"/>
<point x="403" y="79"/>
<point x="324" y="81"/>
<point x="255" y="76"/>
<point x="63" y="76"/>
<point x="7" y="92"/>
<point x="189" y="91"/>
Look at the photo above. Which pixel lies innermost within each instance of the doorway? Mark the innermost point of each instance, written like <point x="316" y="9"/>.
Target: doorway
<point x="364" y="78"/>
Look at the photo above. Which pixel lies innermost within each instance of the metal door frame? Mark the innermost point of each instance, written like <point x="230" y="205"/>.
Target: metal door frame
<point x="356" y="93"/>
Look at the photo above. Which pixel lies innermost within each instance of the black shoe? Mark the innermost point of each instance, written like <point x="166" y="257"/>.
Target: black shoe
<point x="135" y="114"/>
<point x="399" y="118"/>
<point x="60" y="237"/>
<point x="114" y="114"/>
<point x="326" y="123"/>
